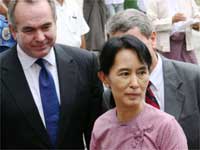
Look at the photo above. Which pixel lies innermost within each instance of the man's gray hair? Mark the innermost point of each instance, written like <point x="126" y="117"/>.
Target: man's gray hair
<point x="13" y="3"/>
<point x="129" y="19"/>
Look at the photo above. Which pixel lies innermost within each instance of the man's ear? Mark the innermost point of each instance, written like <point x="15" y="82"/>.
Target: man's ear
<point x="153" y="39"/>
<point x="13" y="31"/>
<point x="103" y="78"/>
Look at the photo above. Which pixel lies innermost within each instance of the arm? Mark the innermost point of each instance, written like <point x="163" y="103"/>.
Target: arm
<point x="3" y="9"/>
<point x="156" y="10"/>
<point x="93" y="145"/>
<point x="95" y="105"/>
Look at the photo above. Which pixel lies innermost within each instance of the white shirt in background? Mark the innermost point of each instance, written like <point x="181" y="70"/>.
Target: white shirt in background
<point x="80" y="4"/>
<point x="71" y="24"/>
<point x="142" y="5"/>
<point x="113" y="1"/>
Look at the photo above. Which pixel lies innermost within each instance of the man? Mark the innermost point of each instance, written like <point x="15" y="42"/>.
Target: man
<point x="176" y="85"/>
<point x="30" y="68"/>
<point x="71" y="25"/>
<point x="95" y="15"/>
<point x="142" y="4"/>
<point x="114" y="6"/>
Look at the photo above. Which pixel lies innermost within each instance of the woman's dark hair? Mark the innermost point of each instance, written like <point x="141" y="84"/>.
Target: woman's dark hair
<point x="114" y="45"/>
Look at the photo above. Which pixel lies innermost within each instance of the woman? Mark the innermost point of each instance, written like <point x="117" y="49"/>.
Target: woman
<point x="133" y="124"/>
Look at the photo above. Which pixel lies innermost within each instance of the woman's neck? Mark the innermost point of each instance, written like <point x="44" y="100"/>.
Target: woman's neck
<point x="127" y="114"/>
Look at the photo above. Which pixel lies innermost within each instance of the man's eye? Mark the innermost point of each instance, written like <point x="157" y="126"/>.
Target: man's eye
<point x="27" y="30"/>
<point x="46" y="27"/>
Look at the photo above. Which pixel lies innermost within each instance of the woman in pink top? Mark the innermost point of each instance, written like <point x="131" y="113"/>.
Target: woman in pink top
<point x="133" y="124"/>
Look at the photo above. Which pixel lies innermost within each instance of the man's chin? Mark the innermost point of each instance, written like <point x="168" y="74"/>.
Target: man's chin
<point x="40" y="54"/>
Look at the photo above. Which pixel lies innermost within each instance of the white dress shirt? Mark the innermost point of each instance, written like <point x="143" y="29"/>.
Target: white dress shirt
<point x="157" y="86"/>
<point x="142" y="4"/>
<point x="32" y="70"/>
<point x="107" y="2"/>
<point x="71" y="24"/>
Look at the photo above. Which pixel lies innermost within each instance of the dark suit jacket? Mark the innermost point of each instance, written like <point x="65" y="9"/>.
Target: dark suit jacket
<point x="80" y="93"/>
<point x="182" y="97"/>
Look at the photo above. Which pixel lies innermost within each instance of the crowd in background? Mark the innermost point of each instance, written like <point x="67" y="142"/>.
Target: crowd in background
<point x="86" y="21"/>
<point x="81" y="49"/>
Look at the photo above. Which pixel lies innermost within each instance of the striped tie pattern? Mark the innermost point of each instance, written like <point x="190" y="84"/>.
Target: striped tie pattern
<point x="150" y="97"/>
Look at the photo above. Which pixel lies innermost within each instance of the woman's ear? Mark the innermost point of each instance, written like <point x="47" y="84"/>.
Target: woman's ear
<point x="104" y="79"/>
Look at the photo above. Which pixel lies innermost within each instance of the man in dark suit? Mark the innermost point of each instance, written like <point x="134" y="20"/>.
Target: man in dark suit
<point x="176" y="85"/>
<point x="74" y="72"/>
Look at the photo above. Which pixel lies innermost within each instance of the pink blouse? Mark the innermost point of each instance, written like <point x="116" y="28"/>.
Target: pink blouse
<point x="152" y="129"/>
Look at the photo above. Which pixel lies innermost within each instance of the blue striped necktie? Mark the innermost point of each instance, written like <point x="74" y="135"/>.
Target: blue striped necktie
<point x="50" y="102"/>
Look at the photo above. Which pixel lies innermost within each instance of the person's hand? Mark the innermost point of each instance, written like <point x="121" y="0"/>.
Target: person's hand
<point x="178" y="17"/>
<point x="196" y="26"/>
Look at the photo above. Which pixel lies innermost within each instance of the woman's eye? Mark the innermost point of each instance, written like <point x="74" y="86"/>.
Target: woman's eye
<point x="142" y="74"/>
<point x="124" y="74"/>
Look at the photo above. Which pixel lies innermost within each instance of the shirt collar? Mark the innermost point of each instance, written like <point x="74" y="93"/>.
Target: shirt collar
<point x="156" y="76"/>
<point x="27" y="61"/>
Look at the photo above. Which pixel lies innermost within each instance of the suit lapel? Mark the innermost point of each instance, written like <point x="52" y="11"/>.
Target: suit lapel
<point x="15" y="80"/>
<point x="67" y="73"/>
<point x="174" y="96"/>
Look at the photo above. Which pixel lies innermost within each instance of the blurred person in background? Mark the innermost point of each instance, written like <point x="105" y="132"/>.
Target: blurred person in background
<point x="114" y="6"/>
<point x="196" y="37"/>
<point x="6" y="38"/>
<point x="142" y="5"/>
<point x="95" y="15"/>
<point x="71" y="25"/>
<point x="174" y="37"/>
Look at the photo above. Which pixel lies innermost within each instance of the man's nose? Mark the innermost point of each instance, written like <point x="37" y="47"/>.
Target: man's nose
<point x="40" y="36"/>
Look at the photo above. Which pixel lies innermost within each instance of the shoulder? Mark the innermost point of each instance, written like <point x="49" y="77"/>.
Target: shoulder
<point x="168" y="132"/>
<point x="5" y="55"/>
<point x="80" y="55"/>
<point x="85" y="61"/>
<point x="159" y="115"/>
<point x="160" y="121"/>
<point x="105" y="121"/>
<point x="156" y="120"/>
<point x="183" y="69"/>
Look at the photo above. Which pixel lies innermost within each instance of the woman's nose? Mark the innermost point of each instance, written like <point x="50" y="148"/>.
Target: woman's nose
<point x="134" y="81"/>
